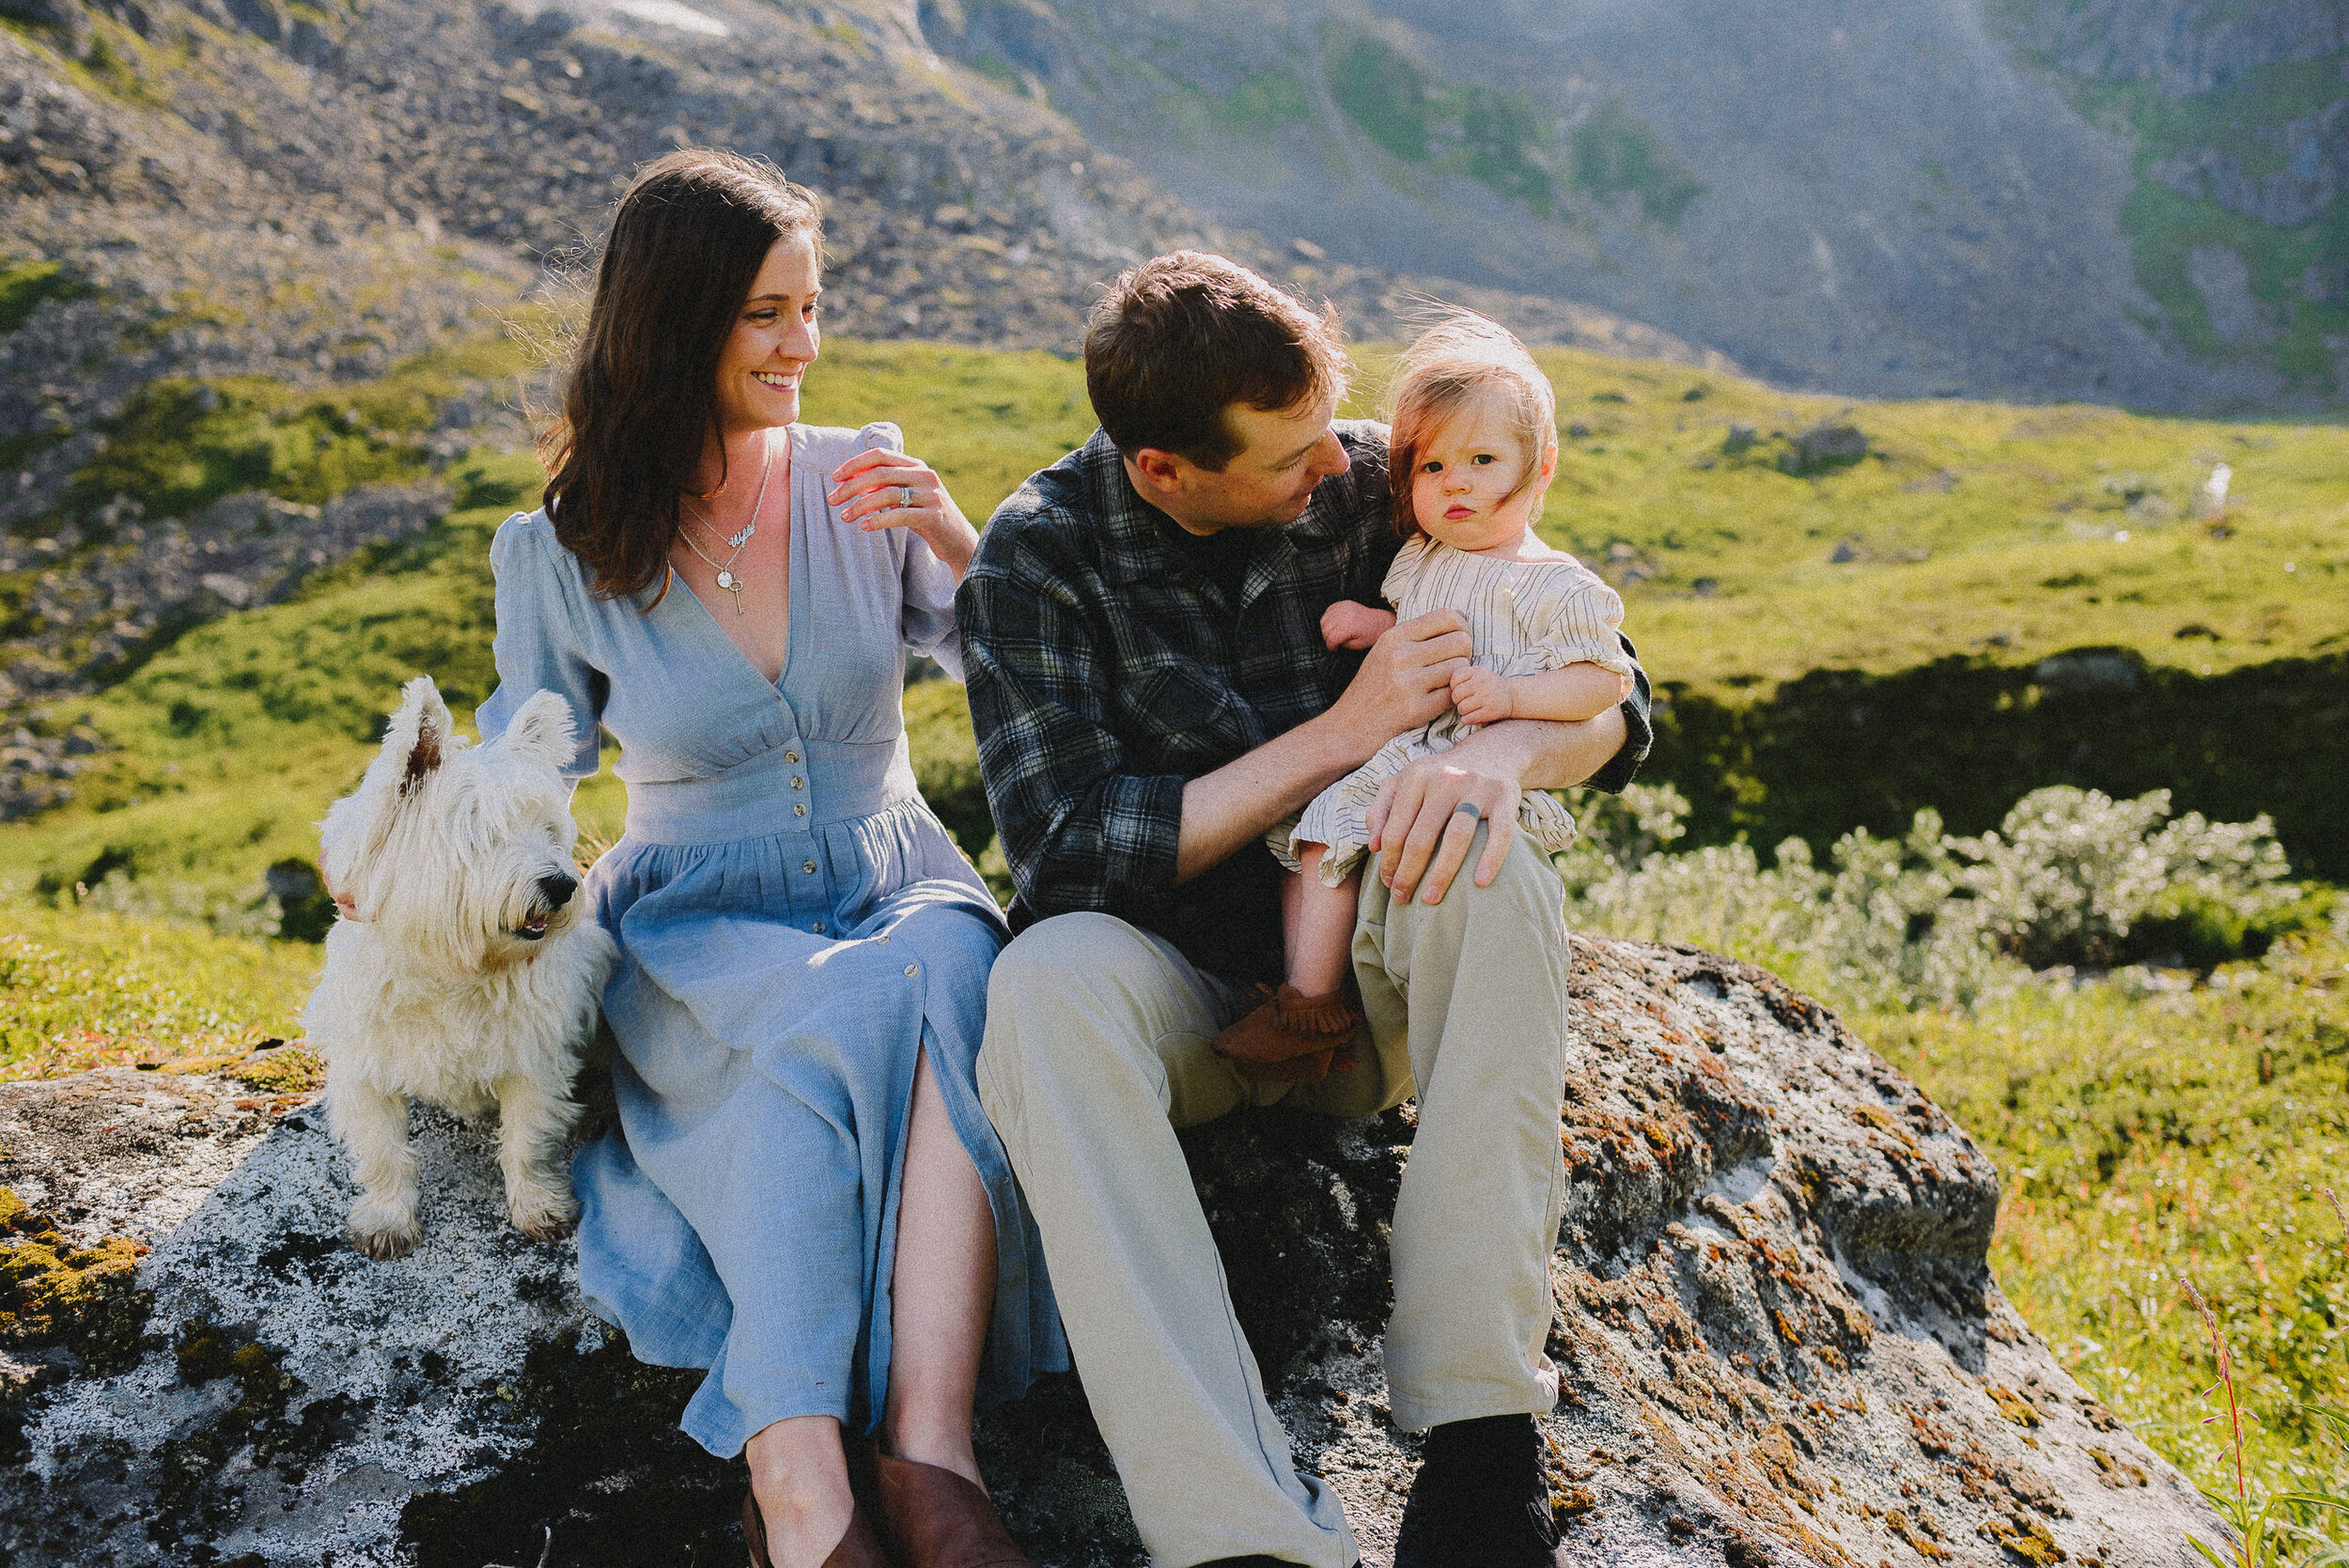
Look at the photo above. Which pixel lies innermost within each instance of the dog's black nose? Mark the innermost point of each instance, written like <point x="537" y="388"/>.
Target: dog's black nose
<point x="558" y="890"/>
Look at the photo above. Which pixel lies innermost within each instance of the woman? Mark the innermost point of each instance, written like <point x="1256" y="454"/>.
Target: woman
<point x="803" y="1195"/>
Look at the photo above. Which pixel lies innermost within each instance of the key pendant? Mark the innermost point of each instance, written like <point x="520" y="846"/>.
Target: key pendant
<point x="732" y="585"/>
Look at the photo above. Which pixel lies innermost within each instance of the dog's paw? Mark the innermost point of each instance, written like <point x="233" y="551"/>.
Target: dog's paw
<point x="383" y="1231"/>
<point x="547" y="1214"/>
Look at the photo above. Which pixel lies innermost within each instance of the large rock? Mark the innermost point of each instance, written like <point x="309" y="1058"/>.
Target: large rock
<point x="1780" y="1339"/>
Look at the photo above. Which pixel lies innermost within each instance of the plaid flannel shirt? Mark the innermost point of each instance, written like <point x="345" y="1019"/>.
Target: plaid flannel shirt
<point x="1105" y="672"/>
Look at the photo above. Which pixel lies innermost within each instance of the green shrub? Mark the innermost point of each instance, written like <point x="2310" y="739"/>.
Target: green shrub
<point x="24" y="286"/>
<point x="180" y="444"/>
<point x="1615" y="153"/>
<point x="1936" y="920"/>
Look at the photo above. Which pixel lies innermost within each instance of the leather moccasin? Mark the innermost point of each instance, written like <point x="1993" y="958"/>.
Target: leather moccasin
<point x="860" y="1548"/>
<point x="935" y="1518"/>
<point x="1293" y="1038"/>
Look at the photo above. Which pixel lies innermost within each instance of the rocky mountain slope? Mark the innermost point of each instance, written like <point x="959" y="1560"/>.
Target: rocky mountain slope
<point x="223" y="221"/>
<point x="2120" y="200"/>
<point x="1781" y="1344"/>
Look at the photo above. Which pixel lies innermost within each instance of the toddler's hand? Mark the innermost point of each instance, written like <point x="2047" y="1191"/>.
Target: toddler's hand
<point x="1348" y="624"/>
<point x="1481" y="695"/>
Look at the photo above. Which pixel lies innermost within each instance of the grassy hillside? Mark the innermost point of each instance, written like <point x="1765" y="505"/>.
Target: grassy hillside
<point x="2144" y="1138"/>
<point x="1976" y="530"/>
<point x="226" y="747"/>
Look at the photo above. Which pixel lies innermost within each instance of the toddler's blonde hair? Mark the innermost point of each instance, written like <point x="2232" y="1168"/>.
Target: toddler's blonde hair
<point x="1460" y="359"/>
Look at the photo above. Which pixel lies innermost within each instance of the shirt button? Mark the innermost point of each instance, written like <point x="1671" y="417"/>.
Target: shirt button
<point x="799" y="810"/>
<point x="808" y="866"/>
<point x="819" y="927"/>
<point x="790" y="756"/>
<point x="883" y="940"/>
<point x="913" y="969"/>
<point x="798" y="784"/>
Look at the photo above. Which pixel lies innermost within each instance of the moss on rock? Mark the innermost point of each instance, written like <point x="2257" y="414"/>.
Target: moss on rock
<point x="55" y="1293"/>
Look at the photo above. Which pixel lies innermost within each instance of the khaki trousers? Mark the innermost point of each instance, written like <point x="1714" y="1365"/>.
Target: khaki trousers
<point x="1096" y="1049"/>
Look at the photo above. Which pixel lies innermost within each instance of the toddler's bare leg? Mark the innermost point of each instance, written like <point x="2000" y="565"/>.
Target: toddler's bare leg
<point x="1305" y="1030"/>
<point x="1320" y="925"/>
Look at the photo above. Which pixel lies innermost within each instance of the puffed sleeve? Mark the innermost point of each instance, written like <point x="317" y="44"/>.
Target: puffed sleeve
<point x="1583" y="622"/>
<point x="537" y="647"/>
<point x="925" y="619"/>
<point x="1403" y="567"/>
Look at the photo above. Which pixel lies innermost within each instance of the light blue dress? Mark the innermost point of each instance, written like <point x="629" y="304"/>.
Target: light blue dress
<point x="793" y="924"/>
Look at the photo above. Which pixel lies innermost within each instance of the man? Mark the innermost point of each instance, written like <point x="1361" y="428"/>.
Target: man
<point x="1151" y="691"/>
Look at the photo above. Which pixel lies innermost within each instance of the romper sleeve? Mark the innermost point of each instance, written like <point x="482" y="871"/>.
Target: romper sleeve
<point x="1582" y="621"/>
<point x="926" y="618"/>
<point x="1403" y="567"/>
<point x="537" y="646"/>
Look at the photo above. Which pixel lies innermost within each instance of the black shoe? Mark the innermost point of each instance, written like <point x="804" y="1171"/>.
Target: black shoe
<point x="1481" y="1501"/>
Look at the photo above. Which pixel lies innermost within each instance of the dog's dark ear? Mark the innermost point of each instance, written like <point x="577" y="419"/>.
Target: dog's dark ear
<point x="423" y="757"/>
<point x="418" y="737"/>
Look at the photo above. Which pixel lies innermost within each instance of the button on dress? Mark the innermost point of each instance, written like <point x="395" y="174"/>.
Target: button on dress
<point x="794" y="927"/>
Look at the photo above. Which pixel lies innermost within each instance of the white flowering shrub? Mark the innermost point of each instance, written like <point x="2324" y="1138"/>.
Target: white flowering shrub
<point x="184" y="904"/>
<point x="1930" y="919"/>
<point x="2070" y="873"/>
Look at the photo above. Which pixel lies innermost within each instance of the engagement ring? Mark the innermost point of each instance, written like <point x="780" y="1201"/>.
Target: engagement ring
<point x="905" y="498"/>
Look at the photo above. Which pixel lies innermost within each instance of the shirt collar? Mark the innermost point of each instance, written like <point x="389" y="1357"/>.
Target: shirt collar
<point x="1133" y="546"/>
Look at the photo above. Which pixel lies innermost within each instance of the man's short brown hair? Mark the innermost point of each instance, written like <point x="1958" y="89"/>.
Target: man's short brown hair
<point x="1182" y="337"/>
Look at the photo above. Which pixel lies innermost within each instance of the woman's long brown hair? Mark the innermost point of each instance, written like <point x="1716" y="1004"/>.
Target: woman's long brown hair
<point x="640" y="400"/>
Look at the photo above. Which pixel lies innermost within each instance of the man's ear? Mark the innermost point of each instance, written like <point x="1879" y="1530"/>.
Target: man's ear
<point x="1158" y="473"/>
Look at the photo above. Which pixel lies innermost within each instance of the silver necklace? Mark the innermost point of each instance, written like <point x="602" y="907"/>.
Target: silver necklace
<point x="726" y="579"/>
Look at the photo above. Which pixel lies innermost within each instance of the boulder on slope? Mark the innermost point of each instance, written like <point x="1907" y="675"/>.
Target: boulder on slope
<point x="1781" y="1340"/>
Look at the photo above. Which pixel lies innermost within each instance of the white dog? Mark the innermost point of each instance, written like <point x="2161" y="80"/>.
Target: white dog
<point x="463" y="970"/>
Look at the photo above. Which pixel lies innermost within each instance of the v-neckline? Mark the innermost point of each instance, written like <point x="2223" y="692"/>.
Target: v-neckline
<point x="794" y="526"/>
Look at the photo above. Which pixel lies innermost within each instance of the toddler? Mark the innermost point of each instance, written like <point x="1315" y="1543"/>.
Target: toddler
<point x="1473" y="449"/>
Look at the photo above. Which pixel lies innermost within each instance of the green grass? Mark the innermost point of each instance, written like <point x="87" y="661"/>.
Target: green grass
<point x="2142" y="1140"/>
<point x="81" y="990"/>
<point x="2146" y="1142"/>
<point x="1974" y="528"/>
<point x="226" y="748"/>
<point x="1977" y="527"/>
<point x="179" y="443"/>
<point x="1263" y="104"/>
<point x="1503" y="140"/>
<point x="26" y="284"/>
<point x="228" y="745"/>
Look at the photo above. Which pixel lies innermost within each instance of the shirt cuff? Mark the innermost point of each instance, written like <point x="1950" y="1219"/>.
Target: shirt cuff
<point x="1639" y="735"/>
<point x="1142" y="829"/>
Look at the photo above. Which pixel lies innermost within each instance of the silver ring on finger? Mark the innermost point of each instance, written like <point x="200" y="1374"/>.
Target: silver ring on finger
<point x="905" y="498"/>
<point x="1476" y="813"/>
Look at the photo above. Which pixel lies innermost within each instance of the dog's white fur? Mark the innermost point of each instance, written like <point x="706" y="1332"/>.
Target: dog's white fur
<point x="446" y="859"/>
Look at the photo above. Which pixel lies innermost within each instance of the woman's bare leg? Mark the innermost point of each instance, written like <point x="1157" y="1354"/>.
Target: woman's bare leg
<point x="940" y="1292"/>
<point x="799" y="1475"/>
<point x="1319" y="924"/>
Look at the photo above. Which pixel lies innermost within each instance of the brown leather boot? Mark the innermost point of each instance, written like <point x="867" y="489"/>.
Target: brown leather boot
<point x="1294" y="1038"/>
<point x="937" y="1519"/>
<point x="860" y="1548"/>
